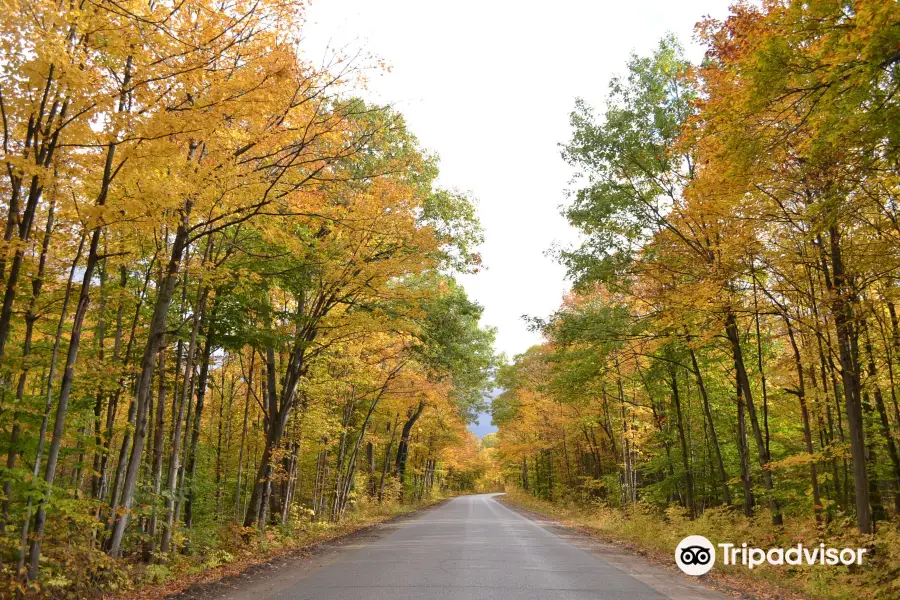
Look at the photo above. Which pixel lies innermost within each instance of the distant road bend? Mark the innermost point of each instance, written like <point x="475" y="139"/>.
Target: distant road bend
<point x="471" y="548"/>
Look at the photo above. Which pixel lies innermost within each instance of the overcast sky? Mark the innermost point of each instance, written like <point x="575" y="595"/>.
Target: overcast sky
<point x="488" y="86"/>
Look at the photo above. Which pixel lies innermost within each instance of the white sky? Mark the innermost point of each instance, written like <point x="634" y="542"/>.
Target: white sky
<point x="488" y="86"/>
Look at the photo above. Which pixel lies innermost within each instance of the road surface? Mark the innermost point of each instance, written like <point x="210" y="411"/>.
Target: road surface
<point x="471" y="548"/>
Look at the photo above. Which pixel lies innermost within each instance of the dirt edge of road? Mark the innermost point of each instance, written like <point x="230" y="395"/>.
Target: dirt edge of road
<point x="214" y="582"/>
<point x="596" y="542"/>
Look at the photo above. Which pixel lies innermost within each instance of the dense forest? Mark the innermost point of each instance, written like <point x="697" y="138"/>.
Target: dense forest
<point x="731" y="347"/>
<point x="228" y="290"/>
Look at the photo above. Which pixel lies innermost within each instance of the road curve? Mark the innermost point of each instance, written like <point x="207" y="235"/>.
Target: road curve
<point x="474" y="548"/>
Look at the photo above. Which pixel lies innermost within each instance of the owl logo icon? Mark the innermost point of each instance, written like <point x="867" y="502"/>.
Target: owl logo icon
<point x="695" y="555"/>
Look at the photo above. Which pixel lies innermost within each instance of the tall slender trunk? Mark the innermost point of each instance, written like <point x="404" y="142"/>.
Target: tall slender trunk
<point x="64" y="392"/>
<point x="804" y="412"/>
<point x="112" y="404"/>
<point x="274" y="429"/>
<point x="658" y="418"/>
<point x="31" y="317"/>
<point x="255" y="509"/>
<point x="744" y="453"/>
<point x="895" y="355"/>
<point x="291" y="482"/>
<point x="685" y="456"/>
<point x="158" y="443"/>
<point x="387" y="458"/>
<point x="101" y="392"/>
<point x="154" y="339"/>
<point x="222" y="430"/>
<point x="627" y="443"/>
<point x="237" y="487"/>
<point x="349" y="406"/>
<point x="351" y="469"/>
<point x="707" y="410"/>
<point x="760" y="364"/>
<point x="823" y="372"/>
<point x="370" y="469"/>
<point x="843" y="309"/>
<point x="178" y="425"/>
<point x="186" y="440"/>
<point x="191" y="461"/>
<point x="112" y="408"/>
<point x="731" y="330"/>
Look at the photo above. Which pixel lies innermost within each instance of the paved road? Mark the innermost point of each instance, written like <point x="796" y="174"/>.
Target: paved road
<point x="473" y="548"/>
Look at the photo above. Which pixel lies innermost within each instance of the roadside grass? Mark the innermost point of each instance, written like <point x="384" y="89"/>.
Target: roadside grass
<point x="656" y="534"/>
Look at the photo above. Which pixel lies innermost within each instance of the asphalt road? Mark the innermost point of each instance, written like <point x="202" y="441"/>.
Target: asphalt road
<point x="473" y="548"/>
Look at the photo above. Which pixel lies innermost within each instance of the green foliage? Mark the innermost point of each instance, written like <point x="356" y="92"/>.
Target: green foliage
<point x="454" y="345"/>
<point x="629" y="175"/>
<point x="452" y="214"/>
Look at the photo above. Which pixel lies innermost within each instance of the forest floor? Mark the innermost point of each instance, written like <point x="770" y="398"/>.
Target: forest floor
<point x="201" y="582"/>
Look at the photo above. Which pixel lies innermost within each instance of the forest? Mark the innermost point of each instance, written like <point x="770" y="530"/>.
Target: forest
<point x="728" y="361"/>
<point x="233" y="325"/>
<point x="229" y="314"/>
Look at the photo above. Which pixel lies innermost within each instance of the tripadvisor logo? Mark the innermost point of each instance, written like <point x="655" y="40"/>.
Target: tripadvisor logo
<point x="695" y="555"/>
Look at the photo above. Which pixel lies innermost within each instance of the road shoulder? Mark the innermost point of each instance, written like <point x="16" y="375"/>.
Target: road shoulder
<point x="260" y="579"/>
<point x="643" y="566"/>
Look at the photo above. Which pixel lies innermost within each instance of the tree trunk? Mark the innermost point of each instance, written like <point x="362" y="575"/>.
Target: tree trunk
<point x="403" y="446"/>
<point x="843" y="301"/>
<point x="370" y="469"/>
<point x="237" y="487"/>
<point x="707" y="410"/>
<point x="64" y="392"/>
<point x="154" y="339"/>
<point x="31" y="317"/>
<point x="158" y="443"/>
<point x="178" y="424"/>
<point x="744" y="453"/>
<point x="387" y="458"/>
<point x="685" y="457"/>
<point x="804" y="412"/>
<point x="191" y="461"/>
<point x="731" y="331"/>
